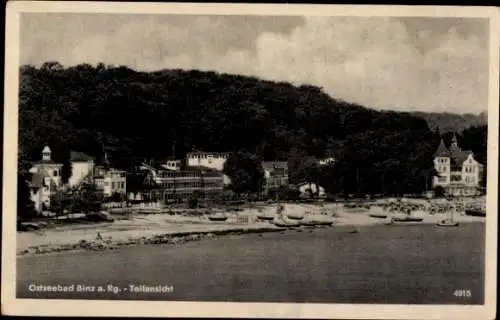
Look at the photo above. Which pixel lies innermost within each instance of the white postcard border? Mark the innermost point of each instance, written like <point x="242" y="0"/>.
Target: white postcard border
<point x="13" y="306"/>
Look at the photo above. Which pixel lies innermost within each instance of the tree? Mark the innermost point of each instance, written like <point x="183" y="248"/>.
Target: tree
<point x="88" y="198"/>
<point x="25" y="207"/>
<point x="439" y="192"/>
<point x="117" y="197"/>
<point x="331" y="178"/>
<point x="59" y="202"/>
<point x="194" y="199"/>
<point x="245" y="171"/>
<point x="306" y="170"/>
<point x="81" y="107"/>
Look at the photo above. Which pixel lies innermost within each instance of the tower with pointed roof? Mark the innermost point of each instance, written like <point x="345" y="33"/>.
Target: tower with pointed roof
<point x="45" y="180"/>
<point x="442" y="164"/>
<point x="46" y="154"/>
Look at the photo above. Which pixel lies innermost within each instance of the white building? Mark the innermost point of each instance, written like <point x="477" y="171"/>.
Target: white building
<point x="46" y="180"/>
<point x="82" y="168"/>
<point x="458" y="172"/>
<point x="110" y="180"/>
<point x="213" y="160"/>
<point x="326" y="161"/>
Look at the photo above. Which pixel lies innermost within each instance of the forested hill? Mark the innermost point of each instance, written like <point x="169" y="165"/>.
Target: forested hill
<point x="141" y="115"/>
<point x="450" y="122"/>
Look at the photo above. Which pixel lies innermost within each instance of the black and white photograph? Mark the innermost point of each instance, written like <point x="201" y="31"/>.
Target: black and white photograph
<point x="291" y="161"/>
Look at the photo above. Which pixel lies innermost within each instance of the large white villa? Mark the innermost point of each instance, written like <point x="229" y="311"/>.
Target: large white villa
<point x="459" y="173"/>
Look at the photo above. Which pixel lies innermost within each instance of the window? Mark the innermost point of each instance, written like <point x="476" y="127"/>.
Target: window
<point x="122" y="185"/>
<point x="56" y="173"/>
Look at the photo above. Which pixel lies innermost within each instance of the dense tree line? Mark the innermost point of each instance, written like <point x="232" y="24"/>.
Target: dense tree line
<point x="451" y="122"/>
<point x="134" y="115"/>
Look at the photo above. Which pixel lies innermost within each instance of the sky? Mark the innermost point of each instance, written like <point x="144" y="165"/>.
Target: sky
<point x="403" y="64"/>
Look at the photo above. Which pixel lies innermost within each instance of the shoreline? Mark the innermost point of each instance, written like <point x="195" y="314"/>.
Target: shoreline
<point x="180" y="237"/>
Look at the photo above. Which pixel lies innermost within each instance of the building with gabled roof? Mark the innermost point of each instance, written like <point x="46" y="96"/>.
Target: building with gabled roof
<point x="82" y="168"/>
<point x="458" y="172"/>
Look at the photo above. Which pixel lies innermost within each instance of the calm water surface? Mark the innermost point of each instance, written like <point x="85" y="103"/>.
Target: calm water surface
<point x="418" y="264"/>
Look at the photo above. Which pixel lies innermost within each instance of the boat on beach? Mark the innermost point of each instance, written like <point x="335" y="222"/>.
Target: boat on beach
<point x="378" y="215"/>
<point x="309" y="223"/>
<point x="264" y="217"/>
<point x="283" y="220"/>
<point x="218" y="217"/>
<point x="450" y="221"/>
<point x="295" y="216"/>
<point x="407" y="219"/>
<point x="316" y="222"/>
<point x="447" y="223"/>
<point x="475" y="212"/>
<point x="285" y="224"/>
<point x="324" y="223"/>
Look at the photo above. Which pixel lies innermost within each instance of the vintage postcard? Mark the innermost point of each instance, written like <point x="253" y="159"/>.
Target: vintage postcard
<point x="238" y="160"/>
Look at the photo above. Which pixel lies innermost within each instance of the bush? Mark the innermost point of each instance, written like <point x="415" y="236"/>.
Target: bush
<point x="439" y="192"/>
<point x="193" y="200"/>
<point x="117" y="197"/>
<point x="284" y="193"/>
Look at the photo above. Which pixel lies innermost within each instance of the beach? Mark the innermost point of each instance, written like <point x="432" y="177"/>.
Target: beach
<point x="161" y="228"/>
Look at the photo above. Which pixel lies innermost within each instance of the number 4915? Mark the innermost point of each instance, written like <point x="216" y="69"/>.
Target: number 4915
<point x="462" y="293"/>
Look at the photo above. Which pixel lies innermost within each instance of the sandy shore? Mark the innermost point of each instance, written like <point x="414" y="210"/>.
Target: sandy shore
<point x="164" y="228"/>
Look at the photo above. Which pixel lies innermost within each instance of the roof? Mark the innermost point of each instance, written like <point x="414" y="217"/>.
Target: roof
<point x="108" y="168"/>
<point x="51" y="162"/>
<point x="38" y="179"/>
<point x="200" y="168"/>
<point x="442" y="151"/>
<point x="155" y="166"/>
<point x="271" y="165"/>
<point x="46" y="149"/>
<point x="77" y="156"/>
<point x="457" y="155"/>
